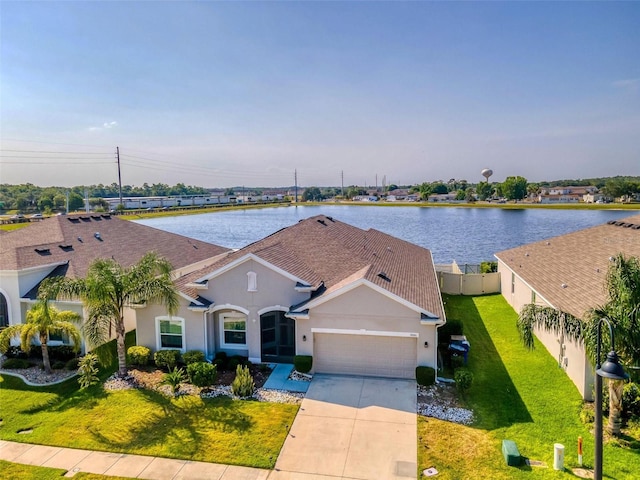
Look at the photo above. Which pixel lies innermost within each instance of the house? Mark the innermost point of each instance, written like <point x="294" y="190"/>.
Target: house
<point x="66" y="245"/>
<point x="565" y="194"/>
<point x="359" y="301"/>
<point x="567" y="273"/>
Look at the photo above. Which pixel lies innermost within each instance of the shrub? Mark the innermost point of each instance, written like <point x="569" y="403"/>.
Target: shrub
<point x="174" y="378"/>
<point x="464" y="379"/>
<point x="233" y="364"/>
<point x="88" y="370"/>
<point x="242" y="385"/>
<point x="219" y="363"/>
<point x="138" y="355"/>
<point x="587" y="415"/>
<point x="631" y="400"/>
<point x="72" y="364"/>
<point x="58" y="365"/>
<point x="193" y="356"/>
<point x="221" y="356"/>
<point x="303" y="363"/>
<point x="18" y="363"/>
<point x="167" y="359"/>
<point x="16" y="352"/>
<point x="457" y="361"/>
<point x="452" y="327"/>
<point x="61" y="352"/>
<point x="425" y="376"/>
<point x="488" y="267"/>
<point x="202" y="374"/>
<point x="241" y="360"/>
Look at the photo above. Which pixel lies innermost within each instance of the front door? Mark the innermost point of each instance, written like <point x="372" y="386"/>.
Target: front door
<point x="277" y="337"/>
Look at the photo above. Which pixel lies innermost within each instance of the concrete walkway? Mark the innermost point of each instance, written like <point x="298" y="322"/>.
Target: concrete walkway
<point x="118" y="464"/>
<point x="279" y="380"/>
<point x="352" y="428"/>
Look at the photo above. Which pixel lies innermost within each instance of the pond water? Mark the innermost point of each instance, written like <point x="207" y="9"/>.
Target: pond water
<point x="466" y="235"/>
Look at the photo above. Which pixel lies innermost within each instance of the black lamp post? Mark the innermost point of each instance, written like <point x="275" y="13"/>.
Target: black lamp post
<point x="612" y="370"/>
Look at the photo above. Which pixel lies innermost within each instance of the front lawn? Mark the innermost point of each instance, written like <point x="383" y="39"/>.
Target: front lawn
<point x="145" y="422"/>
<point x="15" y="471"/>
<point x="517" y="395"/>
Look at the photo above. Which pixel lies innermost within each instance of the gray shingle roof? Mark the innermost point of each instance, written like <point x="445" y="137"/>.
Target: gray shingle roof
<point x="323" y="250"/>
<point x="577" y="260"/>
<point x="80" y="239"/>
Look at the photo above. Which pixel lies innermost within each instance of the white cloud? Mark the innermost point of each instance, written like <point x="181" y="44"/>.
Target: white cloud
<point x="105" y="125"/>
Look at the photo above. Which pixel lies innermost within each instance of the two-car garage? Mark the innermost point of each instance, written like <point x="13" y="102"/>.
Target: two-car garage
<point x="360" y="352"/>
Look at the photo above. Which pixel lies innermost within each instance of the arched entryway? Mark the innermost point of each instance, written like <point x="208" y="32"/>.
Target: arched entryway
<point x="277" y="337"/>
<point x="4" y="311"/>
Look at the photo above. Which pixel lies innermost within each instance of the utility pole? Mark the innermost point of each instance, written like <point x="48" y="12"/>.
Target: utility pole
<point x="342" y="183"/>
<point x="376" y="182"/>
<point x="119" y="177"/>
<point x="295" y="178"/>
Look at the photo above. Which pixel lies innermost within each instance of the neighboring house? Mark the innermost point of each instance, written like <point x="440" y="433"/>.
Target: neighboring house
<point x="565" y="194"/>
<point x="567" y="273"/>
<point x="360" y="302"/>
<point x="66" y="245"/>
<point x="443" y="197"/>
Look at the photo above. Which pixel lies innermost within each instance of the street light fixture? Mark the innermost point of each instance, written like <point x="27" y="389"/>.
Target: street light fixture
<point x="612" y="370"/>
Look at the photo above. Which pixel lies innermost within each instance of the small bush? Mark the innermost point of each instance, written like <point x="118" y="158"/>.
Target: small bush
<point x="303" y="363"/>
<point x="174" y="378"/>
<point x="16" y="352"/>
<point x="193" y="356"/>
<point x="58" y="365"/>
<point x="202" y="374"/>
<point x="452" y="327"/>
<point x="138" y="355"/>
<point x="241" y="359"/>
<point x="233" y="364"/>
<point x="464" y="379"/>
<point x="221" y="356"/>
<point x="167" y="359"/>
<point x="72" y="364"/>
<point x="488" y="267"/>
<point x="457" y="361"/>
<point x="88" y="370"/>
<point x="425" y="376"/>
<point x="219" y="363"/>
<point x="242" y="385"/>
<point x="61" y="352"/>
<point x="631" y="400"/>
<point x="18" y="363"/>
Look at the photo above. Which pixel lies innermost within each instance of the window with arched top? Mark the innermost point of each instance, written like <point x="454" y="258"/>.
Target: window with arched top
<point x="4" y="311"/>
<point x="252" y="282"/>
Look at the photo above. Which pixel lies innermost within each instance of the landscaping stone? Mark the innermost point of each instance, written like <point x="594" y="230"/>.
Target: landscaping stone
<point x="37" y="375"/>
<point x="440" y="401"/>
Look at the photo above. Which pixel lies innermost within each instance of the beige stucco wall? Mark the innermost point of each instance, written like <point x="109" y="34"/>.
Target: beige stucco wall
<point x="364" y="308"/>
<point x="570" y="356"/>
<point x="146" y="334"/>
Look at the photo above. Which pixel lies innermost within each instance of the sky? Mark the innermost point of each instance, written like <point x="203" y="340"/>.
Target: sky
<point x="221" y="94"/>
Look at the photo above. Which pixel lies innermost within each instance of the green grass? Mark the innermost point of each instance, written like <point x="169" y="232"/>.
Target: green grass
<point x="517" y="395"/>
<point x="17" y="471"/>
<point x="7" y="227"/>
<point x="144" y="422"/>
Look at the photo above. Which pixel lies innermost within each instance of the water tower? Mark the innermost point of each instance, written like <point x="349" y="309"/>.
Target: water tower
<point x="486" y="173"/>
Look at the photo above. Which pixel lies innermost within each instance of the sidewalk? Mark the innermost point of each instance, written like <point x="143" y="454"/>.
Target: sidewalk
<point x="119" y="464"/>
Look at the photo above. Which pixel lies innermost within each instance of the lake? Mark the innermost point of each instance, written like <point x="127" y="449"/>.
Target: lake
<point x="466" y="235"/>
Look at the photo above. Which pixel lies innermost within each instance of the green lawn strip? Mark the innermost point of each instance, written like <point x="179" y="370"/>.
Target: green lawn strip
<point x="143" y="422"/>
<point x="17" y="471"/>
<point x="517" y="395"/>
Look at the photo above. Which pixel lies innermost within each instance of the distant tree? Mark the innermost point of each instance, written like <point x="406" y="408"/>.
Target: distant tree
<point x="392" y="186"/>
<point x="461" y="195"/>
<point x="425" y="190"/>
<point x="312" y="194"/>
<point x="514" y="188"/>
<point x="439" y="187"/>
<point x="469" y="195"/>
<point x="22" y="202"/>
<point x="229" y="191"/>
<point x="484" y="190"/>
<point x="76" y="202"/>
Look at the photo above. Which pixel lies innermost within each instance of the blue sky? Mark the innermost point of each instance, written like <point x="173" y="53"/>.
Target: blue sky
<point x="229" y="93"/>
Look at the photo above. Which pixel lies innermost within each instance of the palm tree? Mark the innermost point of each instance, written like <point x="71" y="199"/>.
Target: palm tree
<point x="43" y="320"/>
<point x="108" y="288"/>
<point x="622" y="309"/>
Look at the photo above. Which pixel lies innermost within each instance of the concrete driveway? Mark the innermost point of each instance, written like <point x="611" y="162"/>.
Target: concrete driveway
<point x="352" y="428"/>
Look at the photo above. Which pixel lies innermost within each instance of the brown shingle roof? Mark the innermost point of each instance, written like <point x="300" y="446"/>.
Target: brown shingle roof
<point x="74" y="239"/>
<point x="577" y="260"/>
<point x="321" y="249"/>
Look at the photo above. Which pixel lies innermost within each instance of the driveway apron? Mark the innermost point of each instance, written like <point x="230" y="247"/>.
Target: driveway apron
<point x="353" y="428"/>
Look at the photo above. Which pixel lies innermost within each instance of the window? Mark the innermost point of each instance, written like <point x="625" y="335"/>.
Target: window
<point x="252" y="282"/>
<point x="513" y="282"/>
<point x="533" y="297"/>
<point x="4" y="312"/>
<point x="233" y="330"/>
<point x="170" y="333"/>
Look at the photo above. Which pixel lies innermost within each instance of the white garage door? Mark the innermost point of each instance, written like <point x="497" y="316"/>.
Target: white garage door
<point x="371" y="355"/>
